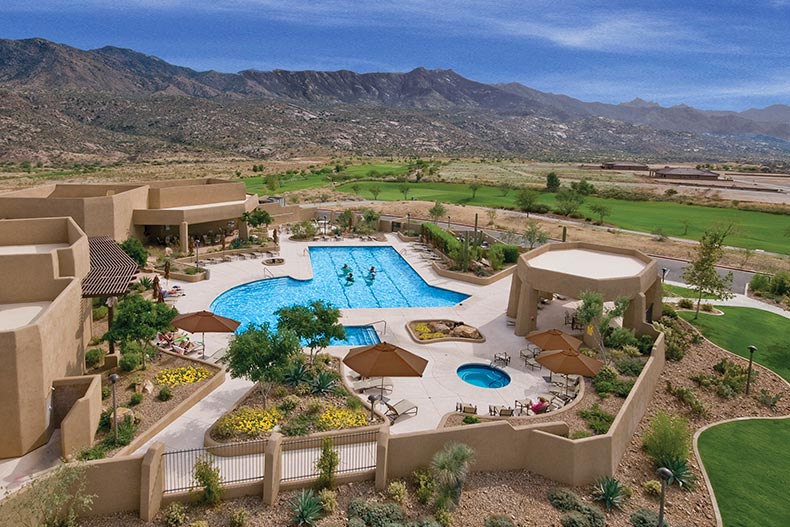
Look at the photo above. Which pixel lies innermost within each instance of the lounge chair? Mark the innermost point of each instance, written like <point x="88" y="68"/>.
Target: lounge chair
<point x="499" y="410"/>
<point x="369" y="384"/>
<point x="502" y="357"/>
<point x="402" y="407"/>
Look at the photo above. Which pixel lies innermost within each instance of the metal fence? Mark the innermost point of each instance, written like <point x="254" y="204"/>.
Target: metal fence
<point x="356" y="452"/>
<point x="237" y="462"/>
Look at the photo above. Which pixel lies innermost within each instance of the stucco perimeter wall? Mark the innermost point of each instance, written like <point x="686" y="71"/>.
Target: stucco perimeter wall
<point x="116" y="484"/>
<point x="182" y="193"/>
<point x="76" y="403"/>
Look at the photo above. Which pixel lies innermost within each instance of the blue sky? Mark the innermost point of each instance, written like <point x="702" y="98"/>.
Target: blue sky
<point x="714" y="54"/>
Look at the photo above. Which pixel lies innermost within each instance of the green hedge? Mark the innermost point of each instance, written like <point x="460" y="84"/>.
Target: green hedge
<point x="440" y="238"/>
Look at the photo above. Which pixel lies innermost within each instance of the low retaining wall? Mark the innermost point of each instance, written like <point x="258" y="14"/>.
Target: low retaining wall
<point x="78" y="426"/>
<point x="472" y="279"/>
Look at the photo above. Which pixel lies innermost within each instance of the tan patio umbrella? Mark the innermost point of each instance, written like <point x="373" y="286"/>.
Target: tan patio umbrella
<point x="554" y="339"/>
<point x="378" y="360"/>
<point x="569" y="362"/>
<point x="205" y="322"/>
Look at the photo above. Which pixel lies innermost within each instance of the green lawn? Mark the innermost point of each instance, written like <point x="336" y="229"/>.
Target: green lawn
<point x="684" y="292"/>
<point x="756" y="230"/>
<point x="749" y="468"/>
<point x="257" y="185"/>
<point x="741" y="327"/>
<point x="384" y="169"/>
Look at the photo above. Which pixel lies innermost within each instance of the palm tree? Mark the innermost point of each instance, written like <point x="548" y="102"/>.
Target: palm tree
<point x="450" y="466"/>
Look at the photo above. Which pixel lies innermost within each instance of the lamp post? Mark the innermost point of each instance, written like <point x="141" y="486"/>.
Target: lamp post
<point x="752" y="349"/>
<point x="408" y="221"/>
<point x="664" y="272"/>
<point x="372" y="401"/>
<point x="665" y="474"/>
<point x="114" y="378"/>
<point x="448" y="223"/>
<point x="197" y="255"/>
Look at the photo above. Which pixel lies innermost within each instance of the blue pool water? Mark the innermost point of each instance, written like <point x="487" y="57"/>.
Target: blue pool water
<point x="395" y="284"/>
<point x="483" y="375"/>
<point x="358" y="336"/>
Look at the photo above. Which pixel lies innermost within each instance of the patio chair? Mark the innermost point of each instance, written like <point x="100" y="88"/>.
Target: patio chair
<point x="369" y="384"/>
<point x="502" y="357"/>
<point x="402" y="407"/>
<point x="466" y="408"/>
<point x="499" y="410"/>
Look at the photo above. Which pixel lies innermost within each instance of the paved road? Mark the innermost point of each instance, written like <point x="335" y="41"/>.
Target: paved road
<point x="740" y="279"/>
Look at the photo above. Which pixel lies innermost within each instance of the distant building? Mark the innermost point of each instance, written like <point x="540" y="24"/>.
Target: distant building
<point x="683" y="173"/>
<point x="624" y="165"/>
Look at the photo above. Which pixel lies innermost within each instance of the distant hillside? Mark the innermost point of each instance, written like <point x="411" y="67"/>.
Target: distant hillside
<point x="59" y="102"/>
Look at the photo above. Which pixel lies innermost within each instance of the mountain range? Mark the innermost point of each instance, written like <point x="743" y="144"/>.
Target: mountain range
<point x="59" y="103"/>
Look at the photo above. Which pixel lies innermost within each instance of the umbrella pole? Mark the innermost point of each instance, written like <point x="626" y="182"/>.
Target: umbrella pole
<point x="203" y="345"/>
<point x="566" y="385"/>
<point x="382" y="390"/>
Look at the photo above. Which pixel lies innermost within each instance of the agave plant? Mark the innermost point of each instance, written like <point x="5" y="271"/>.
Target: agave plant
<point x="306" y="507"/>
<point x="298" y="374"/>
<point x="323" y="383"/>
<point x="146" y="283"/>
<point x="610" y="492"/>
<point x="681" y="472"/>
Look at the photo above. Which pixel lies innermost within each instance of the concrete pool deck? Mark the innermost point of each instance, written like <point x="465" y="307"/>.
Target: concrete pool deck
<point x="437" y="392"/>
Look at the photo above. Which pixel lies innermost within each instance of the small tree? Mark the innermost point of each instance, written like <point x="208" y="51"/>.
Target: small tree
<point x="601" y="211"/>
<point x="139" y="320"/>
<point x="701" y="273"/>
<point x="346" y="219"/>
<point x="592" y="313"/>
<point x="505" y="188"/>
<point x="686" y="223"/>
<point x="371" y="218"/>
<point x="355" y="188"/>
<point x="535" y="235"/>
<point x="375" y="190"/>
<point x="327" y="464"/>
<point x="206" y="473"/>
<point x="526" y="199"/>
<point x="261" y="356"/>
<point x="136" y="251"/>
<point x="450" y="467"/>
<point x="315" y="324"/>
<point x="272" y="184"/>
<point x="257" y="217"/>
<point x="474" y="187"/>
<point x="404" y="188"/>
<point x="552" y="182"/>
<point x="568" y="202"/>
<point x="437" y="212"/>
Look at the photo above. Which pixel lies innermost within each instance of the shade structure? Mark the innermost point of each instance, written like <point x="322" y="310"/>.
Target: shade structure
<point x="569" y="362"/>
<point x="378" y="360"/>
<point x="205" y="322"/>
<point x="554" y="339"/>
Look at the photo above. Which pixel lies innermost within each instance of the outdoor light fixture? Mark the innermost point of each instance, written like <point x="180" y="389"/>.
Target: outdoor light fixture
<point x="752" y="349"/>
<point x="197" y="251"/>
<point x="114" y="378"/>
<point x="372" y="401"/>
<point x="665" y="474"/>
<point x="664" y="272"/>
<point x="408" y="221"/>
<point x="448" y="223"/>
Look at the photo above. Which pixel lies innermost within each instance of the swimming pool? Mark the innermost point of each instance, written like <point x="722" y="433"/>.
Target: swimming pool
<point x="395" y="284"/>
<point x="358" y="336"/>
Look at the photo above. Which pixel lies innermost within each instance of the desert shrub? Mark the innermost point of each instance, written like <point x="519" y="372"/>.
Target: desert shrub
<point x="667" y="437"/>
<point x="609" y="492"/>
<point x="288" y="403"/>
<point x="423" y="483"/>
<point x="676" y="339"/>
<point x="279" y="391"/>
<point x="668" y="311"/>
<point x="708" y="308"/>
<point x="635" y="351"/>
<point x="564" y="500"/>
<point x="645" y="343"/>
<point x="99" y="312"/>
<point x="397" y="492"/>
<point x="630" y="366"/>
<point x="580" y="434"/>
<point x="327" y="464"/>
<point x="688" y="398"/>
<point x="730" y="381"/>
<point x="303" y="230"/>
<point x="93" y="357"/>
<point x="766" y="399"/>
<point x="574" y="519"/>
<point x="443" y="517"/>
<point x="306" y="508"/>
<point x="652" y="487"/>
<point x="471" y="419"/>
<point x="450" y="466"/>
<point x="498" y="521"/>
<point x="106" y="391"/>
<point x="597" y="419"/>
<point x="130" y="361"/>
<point x="495" y="257"/>
<point x="136" y="251"/>
<point x="97" y="451"/>
<point x="606" y="381"/>
<point x="328" y="499"/>
<point x="619" y="337"/>
<point x="314" y="407"/>
<point x="594" y="517"/>
<point x="199" y="523"/>
<point x="239" y="517"/>
<point x="165" y="393"/>
<point x="685" y="303"/>
<point x="136" y="399"/>
<point x="126" y="431"/>
<point x="443" y="240"/>
<point x="175" y="515"/>
<point x="354" y="403"/>
<point x="372" y="514"/>
<point x="207" y="475"/>
<point x="645" y="518"/>
<point x="298" y="426"/>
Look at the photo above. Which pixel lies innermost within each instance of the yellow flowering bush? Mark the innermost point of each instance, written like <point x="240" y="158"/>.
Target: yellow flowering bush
<point x="430" y="336"/>
<point x="247" y="420"/>
<point x="422" y="327"/>
<point x="334" y="418"/>
<point x="181" y="375"/>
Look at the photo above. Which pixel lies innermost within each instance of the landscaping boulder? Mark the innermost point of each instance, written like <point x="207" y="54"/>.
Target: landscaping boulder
<point x="439" y="327"/>
<point x="466" y="332"/>
<point x="148" y="387"/>
<point x="123" y="413"/>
